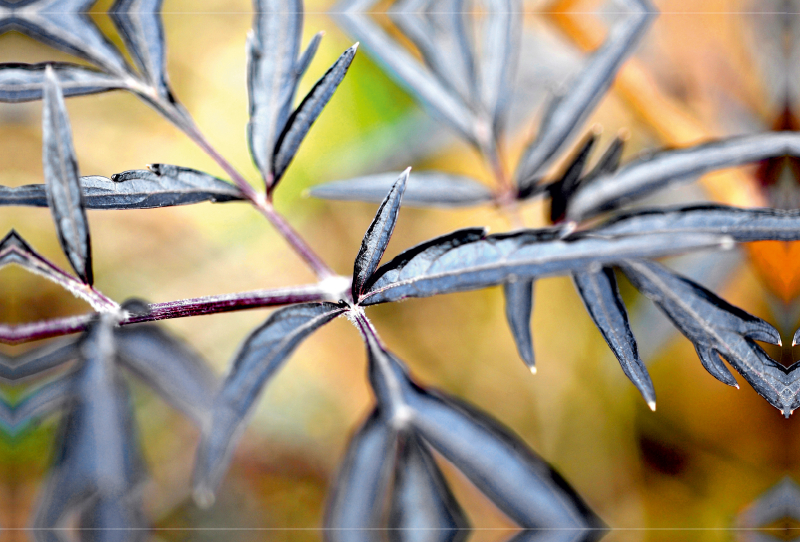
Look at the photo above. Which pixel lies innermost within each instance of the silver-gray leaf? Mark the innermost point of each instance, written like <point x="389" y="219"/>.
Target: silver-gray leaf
<point x="566" y="114"/>
<point x="423" y="509"/>
<point x="650" y="173"/>
<point x="743" y="225"/>
<point x="139" y="24"/>
<point x="526" y="254"/>
<point x="272" y="51"/>
<point x="63" y="187"/>
<point x="423" y="189"/>
<point x="358" y="498"/>
<point x="170" y="367"/>
<point x="23" y="82"/>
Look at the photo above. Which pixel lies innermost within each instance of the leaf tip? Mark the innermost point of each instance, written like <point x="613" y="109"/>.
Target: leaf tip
<point x="203" y="497"/>
<point x="533" y="369"/>
<point x="652" y="405"/>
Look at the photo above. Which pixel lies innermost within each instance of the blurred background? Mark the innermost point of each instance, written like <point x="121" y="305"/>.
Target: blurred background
<point x="705" y="69"/>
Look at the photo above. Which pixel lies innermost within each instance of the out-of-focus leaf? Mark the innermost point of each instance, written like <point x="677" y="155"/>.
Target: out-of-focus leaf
<point x="139" y="24"/>
<point x="519" y="306"/>
<point x="63" y="187"/>
<point x="502" y="29"/>
<point x="566" y="114"/>
<point x="272" y="50"/>
<point x="717" y="328"/>
<point x="526" y="254"/>
<point x="38" y="361"/>
<point x="358" y="500"/>
<point x="15" y="250"/>
<point x="411" y="74"/>
<point x="650" y="173"/>
<point x="423" y="189"/>
<point x="261" y="355"/>
<point x="42" y="401"/>
<point x="561" y="190"/>
<point x="99" y="454"/>
<point x="65" y="25"/>
<point x="303" y="117"/>
<point x="423" y="508"/>
<point x="609" y="162"/>
<point x="438" y="31"/>
<point x="23" y="82"/>
<point x="598" y="290"/>
<point x="743" y="225"/>
<point x="517" y="481"/>
<point x="161" y="186"/>
<point x="170" y="367"/>
<point x="378" y="234"/>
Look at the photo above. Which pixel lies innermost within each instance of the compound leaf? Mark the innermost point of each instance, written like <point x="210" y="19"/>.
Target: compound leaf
<point x="526" y="254"/>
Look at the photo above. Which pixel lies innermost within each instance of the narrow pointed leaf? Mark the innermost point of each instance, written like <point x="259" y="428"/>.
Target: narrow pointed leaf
<point x="160" y="186"/>
<point x="170" y="367"/>
<point x="423" y="508"/>
<point x="641" y="177"/>
<point x="743" y="225"/>
<point x="259" y="357"/>
<point x="713" y="364"/>
<point x="423" y="189"/>
<point x="360" y="494"/>
<point x="519" y="306"/>
<point x="23" y="82"/>
<point x="566" y="114"/>
<point x="63" y="187"/>
<point x="598" y="290"/>
<point x="303" y="117"/>
<point x="139" y="24"/>
<point x="272" y="51"/>
<point x="526" y="254"/>
<point x="378" y="234"/>
<point x="608" y="163"/>
<point x="713" y="324"/>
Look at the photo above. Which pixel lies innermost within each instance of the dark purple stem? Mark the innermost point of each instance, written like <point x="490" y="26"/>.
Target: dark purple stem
<point x="14" y="334"/>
